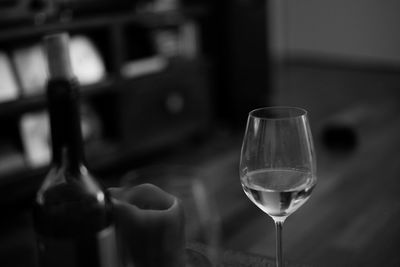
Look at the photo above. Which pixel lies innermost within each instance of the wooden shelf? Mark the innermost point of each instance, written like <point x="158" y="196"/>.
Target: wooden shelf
<point x="16" y="107"/>
<point x="148" y="19"/>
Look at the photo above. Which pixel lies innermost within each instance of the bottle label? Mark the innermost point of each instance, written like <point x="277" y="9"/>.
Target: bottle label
<point x="108" y="247"/>
<point x="99" y="250"/>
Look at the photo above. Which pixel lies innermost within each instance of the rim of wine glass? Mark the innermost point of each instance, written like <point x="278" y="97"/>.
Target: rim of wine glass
<point x="301" y="112"/>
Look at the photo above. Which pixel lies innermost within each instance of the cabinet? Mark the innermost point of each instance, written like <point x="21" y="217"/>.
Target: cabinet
<point x="214" y="68"/>
<point x="153" y="95"/>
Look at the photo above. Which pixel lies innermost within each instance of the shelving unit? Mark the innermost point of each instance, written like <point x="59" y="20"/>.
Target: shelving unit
<point x="142" y="116"/>
<point x="175" y="99"/>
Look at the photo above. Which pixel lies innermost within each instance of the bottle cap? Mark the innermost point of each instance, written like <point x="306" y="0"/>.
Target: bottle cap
<point x="58" y="56"/>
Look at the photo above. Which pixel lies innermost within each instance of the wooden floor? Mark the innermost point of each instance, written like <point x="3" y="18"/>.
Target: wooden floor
<point x="353" y="216"/>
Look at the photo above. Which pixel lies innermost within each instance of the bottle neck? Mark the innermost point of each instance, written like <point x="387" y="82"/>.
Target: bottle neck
<point x="65" y="125"/>
<point x="58" y="56"/>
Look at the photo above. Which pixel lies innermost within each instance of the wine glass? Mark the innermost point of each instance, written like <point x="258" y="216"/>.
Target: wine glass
<point x="277" y="163"/>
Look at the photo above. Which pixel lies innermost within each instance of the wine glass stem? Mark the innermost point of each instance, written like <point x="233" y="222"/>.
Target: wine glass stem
<point x="279" y="253"/>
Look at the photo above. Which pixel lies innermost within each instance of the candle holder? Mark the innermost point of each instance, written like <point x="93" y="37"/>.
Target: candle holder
<point x="150" y="226"/>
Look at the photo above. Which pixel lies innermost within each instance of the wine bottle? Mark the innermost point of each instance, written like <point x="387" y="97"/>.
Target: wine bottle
<point x="72" y="213"/>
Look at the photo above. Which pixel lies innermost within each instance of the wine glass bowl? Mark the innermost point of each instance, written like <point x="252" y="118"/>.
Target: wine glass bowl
<point x="278" y="192"/>
<point x="277" y="163"/>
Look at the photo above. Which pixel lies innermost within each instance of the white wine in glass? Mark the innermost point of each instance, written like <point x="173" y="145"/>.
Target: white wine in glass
<point x="277" y="163"/>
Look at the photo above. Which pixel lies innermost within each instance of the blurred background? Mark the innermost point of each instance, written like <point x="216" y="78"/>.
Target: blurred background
<point x="166" y="89"/>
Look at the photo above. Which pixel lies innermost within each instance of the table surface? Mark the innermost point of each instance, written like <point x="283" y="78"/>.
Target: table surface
<point x="17" y="248"/>
<point x="232" y="258"/>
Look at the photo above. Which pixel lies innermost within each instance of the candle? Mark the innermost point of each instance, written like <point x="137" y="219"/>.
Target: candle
<point x="150" y="226"/>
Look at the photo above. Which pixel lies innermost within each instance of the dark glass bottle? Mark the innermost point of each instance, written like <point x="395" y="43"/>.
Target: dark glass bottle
<point x="72" y="214"/>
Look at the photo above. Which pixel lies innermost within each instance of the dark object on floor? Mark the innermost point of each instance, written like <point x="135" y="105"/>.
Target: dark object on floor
<point x="339" y="138"/>
<point x="347" y="129"/>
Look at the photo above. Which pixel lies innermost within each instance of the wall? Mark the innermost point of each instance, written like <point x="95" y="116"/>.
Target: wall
<point x="356" y="30"/>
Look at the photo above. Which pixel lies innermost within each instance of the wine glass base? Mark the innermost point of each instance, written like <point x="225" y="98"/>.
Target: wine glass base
<point x="196" y="259"/>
